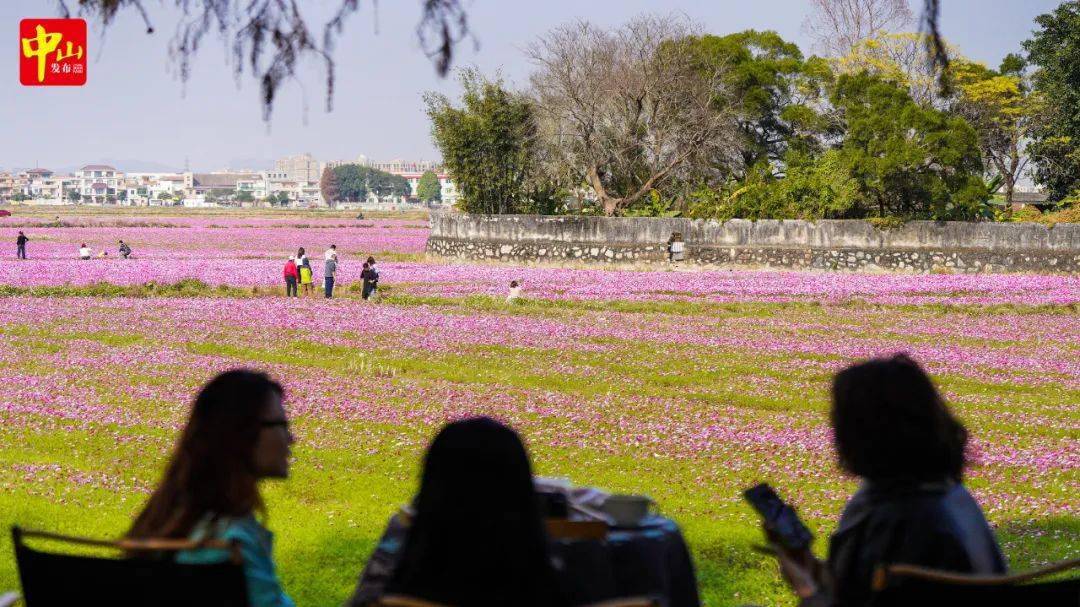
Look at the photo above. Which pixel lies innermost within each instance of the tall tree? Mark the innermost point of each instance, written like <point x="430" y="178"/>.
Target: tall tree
<point x="996" y="104"/>
<point x="328" y="187"/>
<point x="488" y="144"/>
<point x="428" y="188"/>
<point x="1054" y="50"/>
<point x="908" y="160"/>
<point x="838" y="25"/>
<point x="779" y="97"/>
<point x="628" y="110"/>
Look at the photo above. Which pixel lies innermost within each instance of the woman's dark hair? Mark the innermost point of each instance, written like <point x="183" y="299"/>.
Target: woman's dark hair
<point x="477" y="538"/>
<point x="211" y="470"/>
<point x="371" y="260"/>
<point x="300" y="252"/>
<point x="890" y="423"/>
<point x="513" y="283"/>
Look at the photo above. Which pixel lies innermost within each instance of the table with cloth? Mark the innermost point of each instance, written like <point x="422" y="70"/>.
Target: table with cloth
<point x="647" y="559"/>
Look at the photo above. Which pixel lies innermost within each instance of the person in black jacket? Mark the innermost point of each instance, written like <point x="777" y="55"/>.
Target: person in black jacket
<point x="892" y="429"/>
<point x="20" y="245"/>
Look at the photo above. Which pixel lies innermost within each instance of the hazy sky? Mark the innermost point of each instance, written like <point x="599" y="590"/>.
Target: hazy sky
<point x="133" y="107"/>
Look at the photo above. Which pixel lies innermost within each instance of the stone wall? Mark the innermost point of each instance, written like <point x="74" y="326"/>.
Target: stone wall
<point x="918" y="246"/>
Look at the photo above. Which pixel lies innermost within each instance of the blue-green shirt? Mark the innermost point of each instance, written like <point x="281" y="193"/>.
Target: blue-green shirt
<point x="256" y="546"/>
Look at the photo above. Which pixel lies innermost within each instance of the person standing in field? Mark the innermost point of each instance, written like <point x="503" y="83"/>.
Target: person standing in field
<point x="374" y="277"/>
<point x="290" y="278"/>
<point x="329" y="273"/>
<point x="306" y="286"/>
<point x="301" y="257"/>
<point x="366" y="276"/>
<point x="125" y="250"/>
<point x="20" y="246"/>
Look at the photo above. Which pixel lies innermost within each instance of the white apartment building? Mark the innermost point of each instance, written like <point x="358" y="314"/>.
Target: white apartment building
<point x="99" y="182"/>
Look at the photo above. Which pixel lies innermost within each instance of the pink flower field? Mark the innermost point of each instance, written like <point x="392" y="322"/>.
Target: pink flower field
<point x="687" y="385"/>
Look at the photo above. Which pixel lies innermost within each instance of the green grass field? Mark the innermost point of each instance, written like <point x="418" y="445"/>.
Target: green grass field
<point x="689" y="403"/>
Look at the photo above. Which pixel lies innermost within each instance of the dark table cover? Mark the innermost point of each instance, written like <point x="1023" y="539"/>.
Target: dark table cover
<point x="648" y="560"/>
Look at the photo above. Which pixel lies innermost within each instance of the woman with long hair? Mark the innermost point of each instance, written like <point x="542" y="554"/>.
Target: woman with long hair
<point x="892" y="430"/>
<point x="477" y="539"/>
<point x="237" y="434"/>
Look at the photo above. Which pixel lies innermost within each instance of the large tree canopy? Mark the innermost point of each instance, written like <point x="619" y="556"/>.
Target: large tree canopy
<point x="1054" y="50"/>
<point x="353" y="182"/>
<point x="908" y="160"/>
<point x="628" y="110"/>
<point x="777" y="94"/>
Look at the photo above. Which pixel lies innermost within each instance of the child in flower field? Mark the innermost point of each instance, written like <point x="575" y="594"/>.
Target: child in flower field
<point x="84" y="251"/>
<point x="368" y="276"/>
<point x="307" y="287"/>
<point x="515" y="291"/>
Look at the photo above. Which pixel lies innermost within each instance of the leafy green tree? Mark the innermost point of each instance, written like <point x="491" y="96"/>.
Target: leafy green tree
<point x="996" y="103"/>
<point x="74" y="196"/>
<point x="245" y="196"/>
<point x="488" y="144"/>
<point x="778" y="92"/>
<point x="354" y="182"/>
<point x="908" y="160"/>
<point x="1055" y="52"/>
<point x="428" y="188"/>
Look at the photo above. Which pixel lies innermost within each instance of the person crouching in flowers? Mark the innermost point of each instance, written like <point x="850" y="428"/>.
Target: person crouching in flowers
<point x="515" y="291"/>
<point x="237" y="434"/>
<point x="85" y="252"/>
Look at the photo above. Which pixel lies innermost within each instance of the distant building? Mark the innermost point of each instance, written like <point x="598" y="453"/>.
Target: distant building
<point x="99" y="183"/>
<point x="399" y="166"/>
<point x="298" y="168"/>
<point x="204" y="183"/>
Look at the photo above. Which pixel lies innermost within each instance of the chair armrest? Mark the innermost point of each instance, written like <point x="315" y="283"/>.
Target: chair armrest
<point x="9" y="598"/>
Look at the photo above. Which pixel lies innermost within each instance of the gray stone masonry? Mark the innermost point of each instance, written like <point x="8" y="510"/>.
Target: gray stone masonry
<point x="918" y="246"/>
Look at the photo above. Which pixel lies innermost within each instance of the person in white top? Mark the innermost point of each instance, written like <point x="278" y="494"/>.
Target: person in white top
<point x="85" y="252"/>
<point x="515" y="291"/>
<point x="331" y="253"/>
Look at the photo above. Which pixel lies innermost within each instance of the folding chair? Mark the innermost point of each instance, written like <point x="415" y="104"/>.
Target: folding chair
<point x="144" y="574"/>
<point x="901" y="584"/>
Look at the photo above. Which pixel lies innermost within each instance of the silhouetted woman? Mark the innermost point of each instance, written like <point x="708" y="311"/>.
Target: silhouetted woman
<point x="477" y="539"/>
<point x="893" y="430"/>
<point x="236" y="435"/>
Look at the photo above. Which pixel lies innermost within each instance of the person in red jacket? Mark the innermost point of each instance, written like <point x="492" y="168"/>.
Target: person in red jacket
<point x="291" y="275"/>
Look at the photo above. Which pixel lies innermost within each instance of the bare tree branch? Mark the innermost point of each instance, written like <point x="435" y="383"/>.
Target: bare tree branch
<point x="838" y="25"/>
<point x="627" y="109"/>
<point x="277" y="31"/>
